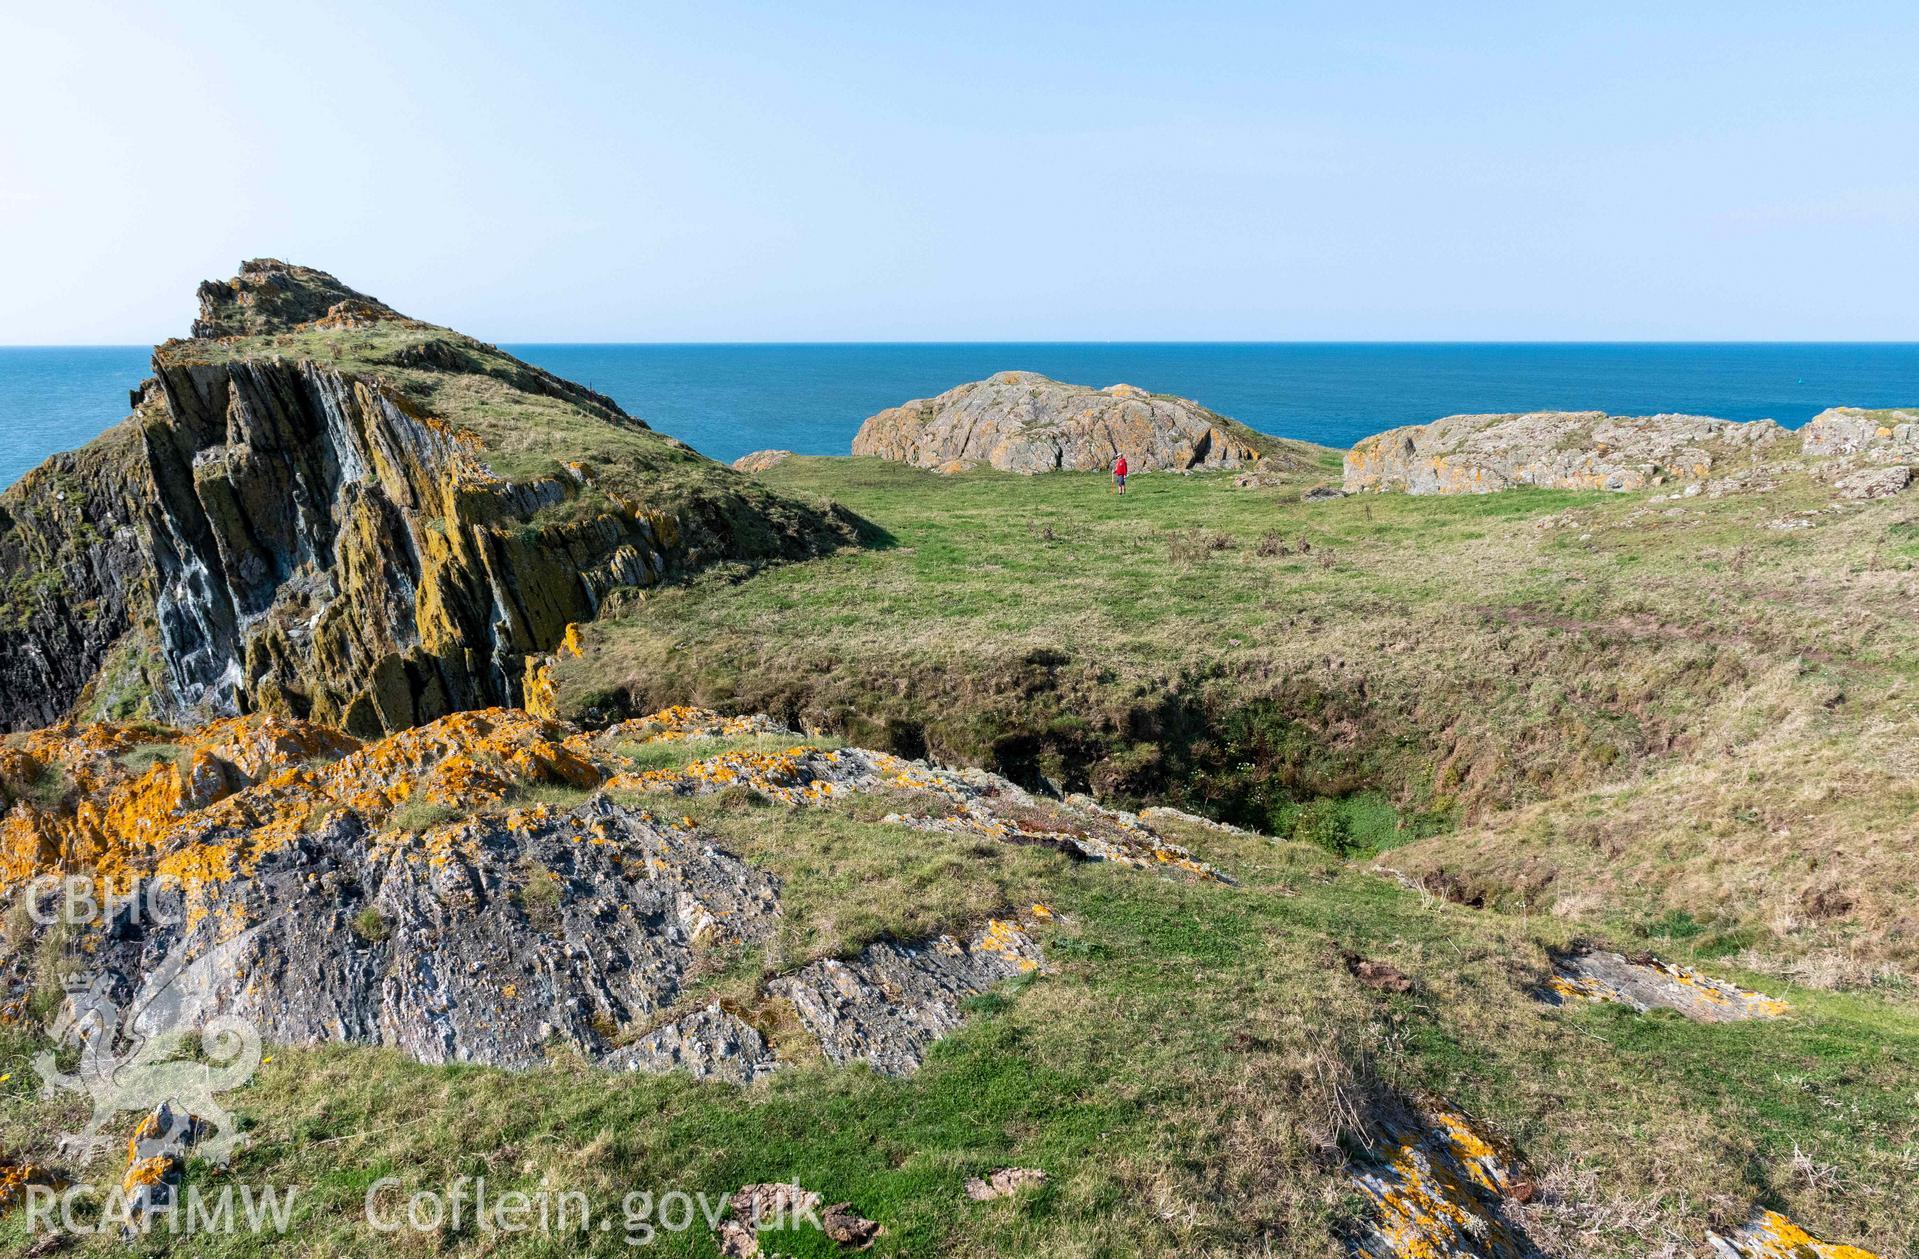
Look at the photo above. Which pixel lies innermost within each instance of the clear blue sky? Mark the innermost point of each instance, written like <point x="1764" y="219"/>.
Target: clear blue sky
<point x="725" y="171"/>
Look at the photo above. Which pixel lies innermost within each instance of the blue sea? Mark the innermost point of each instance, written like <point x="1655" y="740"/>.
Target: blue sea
<point x="727" y="400"/>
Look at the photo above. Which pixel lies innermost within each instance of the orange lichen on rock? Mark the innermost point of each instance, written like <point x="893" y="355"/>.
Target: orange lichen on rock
<point x="200" y="809"/>
<point x="1646" y="983"/>
<point x="1006" y="939"/>
<point x="682" y="722"/>
<point x="213" y="801"/>
<point x="129" y="787"/>
<point x="1770" y="1235"/>
<point x="1436" y="1188"/>
<point x="17" y="1175"/>
<point x="777" y="774"/>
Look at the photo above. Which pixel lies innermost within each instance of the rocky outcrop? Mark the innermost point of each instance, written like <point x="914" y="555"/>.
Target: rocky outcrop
<point x="1024" y="422"/>
<point x="1871" y="482"/>
<point x="1770" y="1235"/>
<point x="1440" y="1186"/>
<point x="887" y="1006"/>
<point x="325" y="510"/>
<point x="271" y="296"/>
<point x="1888" y="436"/>
<point x="484" y="888"/>
<point x="761" y="460"/>
<point x="1861" y="454"/>
<point x="1646" y="983"/>
<point x="1584" y="450"/>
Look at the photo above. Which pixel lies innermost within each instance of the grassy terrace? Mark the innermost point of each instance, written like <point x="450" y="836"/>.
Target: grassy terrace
<point x="1645" y="713"/>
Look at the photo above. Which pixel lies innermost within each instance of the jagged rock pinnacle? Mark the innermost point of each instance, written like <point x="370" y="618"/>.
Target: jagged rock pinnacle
<point x="274" y="296"/>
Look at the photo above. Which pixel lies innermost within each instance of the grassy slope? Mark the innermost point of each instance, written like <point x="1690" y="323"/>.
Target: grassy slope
<point x="1636" y="686"/>
<point x="1189" y="1073"/>
<point x="1693" y="713"/>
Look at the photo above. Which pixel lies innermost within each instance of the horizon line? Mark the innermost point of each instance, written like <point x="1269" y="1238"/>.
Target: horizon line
<point x="1325" y="341"/>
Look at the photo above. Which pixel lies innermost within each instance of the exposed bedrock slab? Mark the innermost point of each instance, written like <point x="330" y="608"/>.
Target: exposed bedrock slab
<point x="1589" y="450"/>
<point x="1770" y="1235"/>
<point x="1439" y="1186"/>
<point x="886" y="1006"/>
<point x="412" y="891"/>
<point x="1646" y="983"/>
<point x="480" y="942"/>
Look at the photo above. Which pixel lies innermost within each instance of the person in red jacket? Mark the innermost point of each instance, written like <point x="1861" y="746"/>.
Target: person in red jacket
<point x="1119" y="474"/>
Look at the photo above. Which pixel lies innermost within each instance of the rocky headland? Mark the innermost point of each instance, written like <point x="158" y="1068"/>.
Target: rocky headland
<point x="322" y="509"/>
<point x="1245" y="867"/>
<point x="1025" y="422"/>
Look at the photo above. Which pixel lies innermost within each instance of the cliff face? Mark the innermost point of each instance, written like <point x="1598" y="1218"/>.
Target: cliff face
<point x="76" y="581"/>
<point x="354" y="518"/>
<point x="1024" y="422"/>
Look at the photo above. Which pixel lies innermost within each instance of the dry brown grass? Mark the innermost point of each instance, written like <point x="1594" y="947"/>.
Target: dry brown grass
<point x="1638" y="708"/>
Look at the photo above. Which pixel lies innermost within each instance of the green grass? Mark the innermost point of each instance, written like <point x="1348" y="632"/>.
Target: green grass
<point x="1187" y="1072"/>
<point x="145" y="756"/>
<point x="420" y="815"/>
<point x="675" y="753"/>
<point x="1549" y="670"/>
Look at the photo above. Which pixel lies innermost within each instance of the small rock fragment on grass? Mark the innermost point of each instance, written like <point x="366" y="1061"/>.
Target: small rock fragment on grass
<point x="737" y="1240"/>
<point x="1004" y="1183"/>
<point x="156" y="1157"/>
<point x="781" y="1206"/>
<point x="17" y="1176"/>
<point x="773" y="1205"/>
<point x="1378" y="975"/>
<point x="848" y="1227"/>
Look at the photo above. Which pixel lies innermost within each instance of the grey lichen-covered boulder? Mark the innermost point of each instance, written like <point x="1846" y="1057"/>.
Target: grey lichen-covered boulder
<point x="1884" y="436"/>
<point x="1864" y="453"/>
<point x="1584" y="450"/>
<point x="761" y="460"/>
<point x="1025" y="422"/>
<point x="1874" y="482"/>
<point x="709" y="1044"/>
<point x="1646" y="983"/>
<point x="890" y="1003"/>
